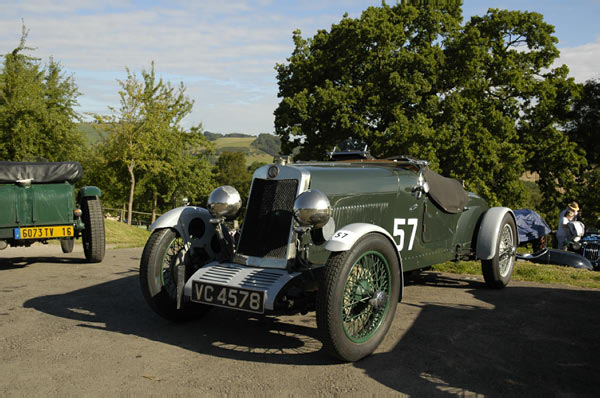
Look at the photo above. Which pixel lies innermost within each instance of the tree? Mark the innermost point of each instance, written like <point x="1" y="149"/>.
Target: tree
<point x="231" y="170"/>
<point x="584" y="126"/>
<point x="268" y="143"/>
<point x="37" y="116"/>
<point x="479" y="101"/>
<point x="584" y="129"/>
<point x="146" y="139"/>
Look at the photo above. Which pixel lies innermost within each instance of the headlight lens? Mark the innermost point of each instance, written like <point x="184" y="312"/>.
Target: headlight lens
<point x="224" y="201"/>
<point x="312" y="208"/>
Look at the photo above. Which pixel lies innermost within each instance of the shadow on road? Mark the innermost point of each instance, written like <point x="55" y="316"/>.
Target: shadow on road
<point x="118" y="306"/>
<point x="531" y="342"/>
<point x="521" y="341"/>
<point x="22" y="262"/>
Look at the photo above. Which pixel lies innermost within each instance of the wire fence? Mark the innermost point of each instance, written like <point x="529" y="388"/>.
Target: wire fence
<point x="138" y="218"/>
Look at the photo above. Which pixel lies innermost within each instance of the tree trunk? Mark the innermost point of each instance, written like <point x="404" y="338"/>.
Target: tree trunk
<point x="130" y="168"/>
<point x="154" y="204"/>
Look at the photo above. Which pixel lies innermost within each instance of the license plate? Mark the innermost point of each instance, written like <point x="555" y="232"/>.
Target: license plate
<point x="229" y="297"/>
<point x="60" y="231"/>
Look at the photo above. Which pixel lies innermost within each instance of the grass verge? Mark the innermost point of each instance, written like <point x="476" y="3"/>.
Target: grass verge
<point x="122" y="235"/>
<point x="530" y="272"/>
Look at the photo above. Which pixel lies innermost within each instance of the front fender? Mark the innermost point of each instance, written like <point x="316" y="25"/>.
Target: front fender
<point x="343" y="239"/>
<point x="190" y="222"/>
<point x="89" y="191"/>
<point x="489" y="230"/>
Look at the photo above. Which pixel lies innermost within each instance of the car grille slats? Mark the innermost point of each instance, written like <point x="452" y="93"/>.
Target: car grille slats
<point x="268" y="222"/>
<point x="590" y="251"/>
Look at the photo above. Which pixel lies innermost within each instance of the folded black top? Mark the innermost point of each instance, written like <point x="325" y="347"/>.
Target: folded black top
<point x="40" y="172"/>
<point x="446" y="192"/>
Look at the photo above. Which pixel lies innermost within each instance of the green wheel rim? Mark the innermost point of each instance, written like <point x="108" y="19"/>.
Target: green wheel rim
<point x="366" y="295"/>
<point x="168" y="278"/>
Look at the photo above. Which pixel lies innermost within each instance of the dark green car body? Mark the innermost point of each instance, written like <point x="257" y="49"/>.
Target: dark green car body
<point x="383" y="194"/>
<point x="39" y="204"/>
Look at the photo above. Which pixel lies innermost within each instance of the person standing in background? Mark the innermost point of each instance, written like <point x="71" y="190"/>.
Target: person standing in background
<point x="566" y="216"/>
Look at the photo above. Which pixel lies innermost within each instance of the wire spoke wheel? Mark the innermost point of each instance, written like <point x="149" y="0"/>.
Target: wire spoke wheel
<point x="357" y="297"/>
<point x="498" y="269"/>
<point x="506" y="250"/>
<point x="163" y="252"/>
<point x="168" y="274"/>
<point x="366" y="294"/>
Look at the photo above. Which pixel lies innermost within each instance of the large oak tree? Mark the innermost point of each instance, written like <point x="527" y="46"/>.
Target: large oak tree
<point x="479" y="100"/>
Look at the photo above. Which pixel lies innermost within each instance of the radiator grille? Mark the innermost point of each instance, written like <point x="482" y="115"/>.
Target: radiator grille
<point x="268" y="220"/>
<point x="590" y="251"/>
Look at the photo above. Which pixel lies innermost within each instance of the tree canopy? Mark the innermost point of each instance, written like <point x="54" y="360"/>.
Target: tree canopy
<point x="146" y="141"/>
<point x="478" y="100"/>
<point x="584" y="129"/>
<point x="37" y="116"/>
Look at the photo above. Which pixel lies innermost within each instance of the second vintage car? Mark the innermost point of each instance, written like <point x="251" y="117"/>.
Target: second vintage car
<point x="331" y="237"/>
<point x="40" y="204"/>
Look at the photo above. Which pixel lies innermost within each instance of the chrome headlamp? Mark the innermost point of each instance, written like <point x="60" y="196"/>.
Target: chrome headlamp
<point x="312" y="209"/>
<point x="224" y="201"/>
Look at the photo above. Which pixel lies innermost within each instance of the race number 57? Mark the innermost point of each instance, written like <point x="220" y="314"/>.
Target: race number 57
<point x="399" y="230"/>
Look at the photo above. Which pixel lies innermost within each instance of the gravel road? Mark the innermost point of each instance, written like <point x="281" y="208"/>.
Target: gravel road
<point x="68" y="328"/>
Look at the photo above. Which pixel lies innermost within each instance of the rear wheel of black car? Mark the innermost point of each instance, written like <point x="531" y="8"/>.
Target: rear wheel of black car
<point x="163" y="252"/>
<point x="498" y="270"/>
<point x="93" y="238"/>
<point x="357" y="298"/>
<point x="67" y="245"/>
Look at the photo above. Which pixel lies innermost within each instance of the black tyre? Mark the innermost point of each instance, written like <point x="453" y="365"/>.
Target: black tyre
<point x="67" y="245"/>
<point x="158" y="277"/>
<point x="498" y="270"/>
<point x="93" y="238"/>
<point x="357" y="298"/>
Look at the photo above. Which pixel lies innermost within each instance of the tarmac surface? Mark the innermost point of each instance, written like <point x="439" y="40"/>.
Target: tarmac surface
<point x="68" y="328"/>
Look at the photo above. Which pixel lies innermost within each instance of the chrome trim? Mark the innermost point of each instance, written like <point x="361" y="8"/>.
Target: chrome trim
<point x="285" y="173"/>
<point x="271" y="281"/>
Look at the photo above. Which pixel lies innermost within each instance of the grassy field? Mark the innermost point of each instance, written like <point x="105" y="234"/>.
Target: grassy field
<point x="527" y="271"/>
<point x="120" y="235"/>
<point x="242" y="144"/>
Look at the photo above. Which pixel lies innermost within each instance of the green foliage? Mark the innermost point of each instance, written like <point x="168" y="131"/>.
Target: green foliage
<point x="146" y="145"/>
<point x="231" y="170"/>
<point x="91" y="134"/>
<point x="584" y="129"/>
<point x="268" y="143"/>
<point x="212" y="136"/>
<point x="479" y="101"/>
<point x="37" y="119"/>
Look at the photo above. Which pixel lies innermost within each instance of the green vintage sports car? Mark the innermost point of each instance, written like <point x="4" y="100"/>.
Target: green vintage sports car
<point x="39" y="204"/>
<point x="331" y="237"/>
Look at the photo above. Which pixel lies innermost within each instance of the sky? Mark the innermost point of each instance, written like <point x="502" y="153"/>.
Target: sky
<point x="225" y="52"/>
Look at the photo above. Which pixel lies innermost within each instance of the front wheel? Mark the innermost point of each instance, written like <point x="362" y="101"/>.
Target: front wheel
<point x="163" y="252"/>
<point x="67" y="244"/>
<point x="498" y="270"/>
<point x="357" y="298"/>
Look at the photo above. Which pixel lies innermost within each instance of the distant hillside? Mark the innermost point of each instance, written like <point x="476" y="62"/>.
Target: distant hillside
<point x="215" y="136"/>
<point x="261" y="148"/>
<point x="90" y="133"/>
<point x="244" y="145"/>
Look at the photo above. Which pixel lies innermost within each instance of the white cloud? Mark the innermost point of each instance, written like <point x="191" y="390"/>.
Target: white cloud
<point x="583" y="61"/>
<point x="224" y="52"/>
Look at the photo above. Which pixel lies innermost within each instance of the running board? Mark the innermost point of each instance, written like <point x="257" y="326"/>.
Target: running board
<point x="268" y="280"/>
